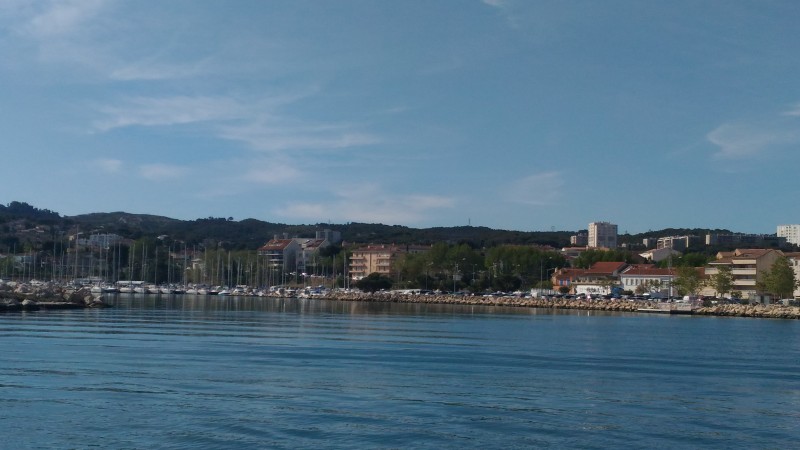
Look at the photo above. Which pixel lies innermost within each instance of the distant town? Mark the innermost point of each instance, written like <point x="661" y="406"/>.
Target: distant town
<point x="41" y="246"/>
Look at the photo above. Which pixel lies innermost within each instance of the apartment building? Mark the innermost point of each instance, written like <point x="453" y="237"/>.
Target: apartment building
<point x="373" y="259"/>
<point x="748" y="267"/>
<point x="790" y="232"/>
<point x="602" y="235"/>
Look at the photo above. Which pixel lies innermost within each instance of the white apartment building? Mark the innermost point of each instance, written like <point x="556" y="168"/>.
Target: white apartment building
<point x="602" y="234"/>
<point x="790" y="232"/>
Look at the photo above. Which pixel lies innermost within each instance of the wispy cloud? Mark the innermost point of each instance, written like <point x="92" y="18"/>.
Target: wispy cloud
<point x="108" y="165"/>
<point x="258" y="124"/>
<point x="537" y="189"/>
<point x="63" y="17"/>
<point x="158" y="171"/>
<point x="368" y="204"/>
<point x="142" y="111"/>
<point x="277" y="134"/>
<point x="795" y="111"/>
<point x="273" y="172"/>
<point x="744" y="141"/>
<point x="495" y="3"/>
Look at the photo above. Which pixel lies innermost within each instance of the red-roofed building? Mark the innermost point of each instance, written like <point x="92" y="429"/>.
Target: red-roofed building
<point x="565" y="277"/>
<point x="600" y="278"/>
<point x="280" y="254"/>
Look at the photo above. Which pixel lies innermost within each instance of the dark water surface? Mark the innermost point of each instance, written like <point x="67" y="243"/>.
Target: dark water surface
<point x="207" y="372"/>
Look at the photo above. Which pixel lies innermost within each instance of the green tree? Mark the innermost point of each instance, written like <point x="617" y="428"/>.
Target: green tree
<point x="722" y="281"/>
<point x="687" y="281"/>
<point x="374" y="282"/>
<point x="780" y="278"/>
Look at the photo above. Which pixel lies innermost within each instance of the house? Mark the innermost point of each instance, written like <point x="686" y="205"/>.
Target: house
<point x="748" y="267"/>
<point x="648" y="279"/>
<point x="565" y="277"/>
<point x="659" y="254"/>
<point x="600" y="278"/>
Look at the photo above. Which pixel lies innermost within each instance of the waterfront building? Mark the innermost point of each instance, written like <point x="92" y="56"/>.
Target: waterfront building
<point x="794" y="263"/>
<point x="602" y="235"/>
<point x="373" y="259"/>
<point x="280" y="254"/>
<point x="790" y="232"/>
<point x="564" y="277"/>
<point x="648" y="279"/>
<point x="748" y="267"/>
<point x="599" y="279"/>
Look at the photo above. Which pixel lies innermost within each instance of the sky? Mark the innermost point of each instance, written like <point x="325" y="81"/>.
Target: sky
<point x="511" y="114"/>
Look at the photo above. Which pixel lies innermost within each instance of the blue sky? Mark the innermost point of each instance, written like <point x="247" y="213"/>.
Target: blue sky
<point x="525" y="115"/>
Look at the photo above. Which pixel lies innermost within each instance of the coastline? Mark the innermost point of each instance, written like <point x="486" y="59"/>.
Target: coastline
<point x="45" y="298"/>
<point x="732" y="310"/>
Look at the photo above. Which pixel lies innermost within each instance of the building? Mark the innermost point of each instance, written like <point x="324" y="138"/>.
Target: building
<point x="748" y="267"/>
<point x="679" y="243"/>
<point x="579" y="240"/>
<point x="794" y="262"/>
<point x="307" y="260"/>
<point x="373" y="259"/>
<point x="659" y="254"/>
<point x="602" y="235"/>
<point x="564" y="277"/>
<point x="790" y="232"/>
<point x="763" y="240"/>
<point x="280" y="254"/>
<point x="648" y="279"/>
<point x="599" y="279"/>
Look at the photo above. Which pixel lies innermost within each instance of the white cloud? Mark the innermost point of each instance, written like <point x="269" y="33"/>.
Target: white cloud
<point x="108" y="165"/>
<point x="276" y="134"/>
<point x="537" y="189"/>
<point x="742" y="141"/>
<point x="151" y="70"/>
<point x="793" y="112"/>
<point x="63" y="17"/>
<point x="176" y="110"/>
<point x="162" y="171"/>
<point x="495" y="3"/>
<point x="273" y="173"/>
<point x="368" y="204"/>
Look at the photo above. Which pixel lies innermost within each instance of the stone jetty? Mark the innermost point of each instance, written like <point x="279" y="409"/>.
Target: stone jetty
<point x="26" y="297"/>
<point x="737" y="310"/>
<point x="510" y="301"/>
<point x="755" y="310"/>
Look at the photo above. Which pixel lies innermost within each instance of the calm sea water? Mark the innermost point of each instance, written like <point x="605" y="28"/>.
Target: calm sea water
<point x="184" y="372"/>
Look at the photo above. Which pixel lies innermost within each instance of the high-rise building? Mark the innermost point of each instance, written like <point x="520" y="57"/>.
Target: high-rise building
<point x="602" y="234"/>
<point x="790" y="232"/>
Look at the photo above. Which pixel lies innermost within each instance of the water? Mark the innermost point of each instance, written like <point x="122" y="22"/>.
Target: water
<point x="183" y="372"/>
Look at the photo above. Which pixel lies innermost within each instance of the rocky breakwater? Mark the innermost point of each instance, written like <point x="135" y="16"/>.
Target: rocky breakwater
<point x="589" y="305"/>
<point x="755" y="310"/>
<point x="25" y="297"/>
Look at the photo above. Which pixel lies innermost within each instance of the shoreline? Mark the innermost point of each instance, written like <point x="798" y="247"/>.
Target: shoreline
<point x="65" y="298"/>
<point x="731" y="310"/>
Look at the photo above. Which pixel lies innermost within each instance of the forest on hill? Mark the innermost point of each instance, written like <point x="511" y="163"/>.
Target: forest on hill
<point x="22" y="224"/>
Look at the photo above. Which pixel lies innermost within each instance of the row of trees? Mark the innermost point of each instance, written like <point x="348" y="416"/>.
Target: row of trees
<point x="458" y="267"/>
